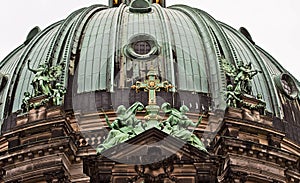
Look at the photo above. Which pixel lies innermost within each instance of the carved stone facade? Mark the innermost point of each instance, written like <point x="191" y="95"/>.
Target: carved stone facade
<point x="152" y="160"/>
<point x="47" y="145"/>
<point x="41" y="148"/>
<point x="200" y="112"/>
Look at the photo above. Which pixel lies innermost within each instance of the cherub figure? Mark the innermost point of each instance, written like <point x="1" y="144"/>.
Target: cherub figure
<point x="25" y="102"/>
<point x="261" y="106"/>
<point x="231" y="97"/>
<point x="58" y="93"/>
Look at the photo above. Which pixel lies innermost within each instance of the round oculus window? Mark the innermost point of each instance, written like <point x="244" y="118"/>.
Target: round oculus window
<point x="287" y="85"/>
<point x="142" y="47"/>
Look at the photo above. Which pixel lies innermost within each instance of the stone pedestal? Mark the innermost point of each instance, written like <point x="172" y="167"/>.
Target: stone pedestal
<point x="152" y="118"/>
<point x="43" y="109"/>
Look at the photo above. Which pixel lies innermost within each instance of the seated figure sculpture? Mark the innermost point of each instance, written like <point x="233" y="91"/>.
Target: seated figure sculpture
<point x="177" y="124"/>
<point x="123" y="128"/>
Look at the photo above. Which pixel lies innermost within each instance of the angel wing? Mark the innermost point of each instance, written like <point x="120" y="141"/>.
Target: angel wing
<point x="229" y="68"/>
<point x="137" y="106"/>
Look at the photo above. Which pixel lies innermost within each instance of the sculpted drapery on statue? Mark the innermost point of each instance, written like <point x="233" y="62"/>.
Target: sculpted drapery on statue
<point x="244" y="76"/>
<point x="46" y="82"/>
<point x="41" y="81"/>
<point x="178" y="124"/>
<point x="45" y="78"/>
<point x="124" y="127"/>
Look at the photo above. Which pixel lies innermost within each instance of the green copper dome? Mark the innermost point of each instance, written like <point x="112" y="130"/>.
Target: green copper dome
<point x="108" y="49"/>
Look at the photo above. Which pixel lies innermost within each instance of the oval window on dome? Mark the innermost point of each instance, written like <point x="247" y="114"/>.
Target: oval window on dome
<point x="287" y="85"/>
<point x="142" y="47"/>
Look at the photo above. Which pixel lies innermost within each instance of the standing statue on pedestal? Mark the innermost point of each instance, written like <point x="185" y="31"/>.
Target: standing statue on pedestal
<point x="41" y="82"/>
<point x="46" y="85"/>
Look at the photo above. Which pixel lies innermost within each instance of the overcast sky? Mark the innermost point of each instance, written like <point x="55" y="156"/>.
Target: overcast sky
<point x="273" y="24"/>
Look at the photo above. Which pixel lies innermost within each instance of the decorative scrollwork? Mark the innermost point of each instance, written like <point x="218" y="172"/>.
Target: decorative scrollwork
<point x="148" y="172"/>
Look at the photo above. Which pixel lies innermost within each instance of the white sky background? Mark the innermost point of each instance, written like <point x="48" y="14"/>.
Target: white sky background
<point x="273" y="24"/>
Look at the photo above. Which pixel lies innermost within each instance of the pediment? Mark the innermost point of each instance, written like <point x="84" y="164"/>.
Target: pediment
<point x="153" y="145"/>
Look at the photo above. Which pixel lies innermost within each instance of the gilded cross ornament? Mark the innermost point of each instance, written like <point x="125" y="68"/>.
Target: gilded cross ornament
<point x="152" y="85"/>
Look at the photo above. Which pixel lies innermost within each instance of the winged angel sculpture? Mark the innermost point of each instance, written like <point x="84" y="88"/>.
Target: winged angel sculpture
<point x="242" y="75"/>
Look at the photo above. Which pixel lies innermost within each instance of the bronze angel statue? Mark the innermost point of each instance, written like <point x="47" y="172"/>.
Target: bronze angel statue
<point x="242" y="75"/>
